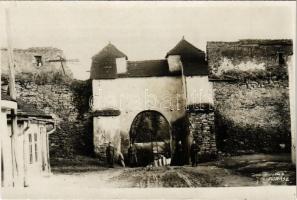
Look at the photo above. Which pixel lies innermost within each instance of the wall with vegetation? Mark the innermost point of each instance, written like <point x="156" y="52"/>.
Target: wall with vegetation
<point x="251" y="95"/>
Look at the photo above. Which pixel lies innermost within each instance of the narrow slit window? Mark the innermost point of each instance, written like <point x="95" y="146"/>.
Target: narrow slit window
<point x="281" y="60"/>
<point x="30" y="149"/>
<point x="36" y="147"/>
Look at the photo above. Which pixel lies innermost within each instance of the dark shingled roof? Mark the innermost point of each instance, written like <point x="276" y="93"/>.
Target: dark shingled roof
<point x="147" y="68"/>
<point x="109" y="51"/>
<point x="29" y="110"/>
<point x="192" y="68"/>
<point x="193" y="59"/>
<point x="104" y="64"/>
<point x="185" y="49"/>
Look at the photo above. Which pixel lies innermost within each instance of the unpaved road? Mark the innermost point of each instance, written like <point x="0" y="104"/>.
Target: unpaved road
<point x="186" y="176"/>
<point x="248" y="170"/>
<point x="105" y="184"/>
<point x="93" y="181"/>
<point x="141" y="177"/>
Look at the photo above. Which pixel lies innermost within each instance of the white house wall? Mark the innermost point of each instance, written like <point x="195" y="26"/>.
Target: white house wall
<point x="6" y="151"/>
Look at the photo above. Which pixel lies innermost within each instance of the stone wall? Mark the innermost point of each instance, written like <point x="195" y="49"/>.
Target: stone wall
<point x="74" y="127"/>
<point x="251" y="94"/>
<point x="252" y="117"/>
<point x="252" y="59"/>
<point x="202" y="130"/>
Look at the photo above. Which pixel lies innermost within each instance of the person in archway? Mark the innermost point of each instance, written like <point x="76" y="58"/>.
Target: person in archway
<point x="194" y="153"/>
<point x="179" y="154"/>
<point x="110" y="155"/>
<point x="132" y="154"/>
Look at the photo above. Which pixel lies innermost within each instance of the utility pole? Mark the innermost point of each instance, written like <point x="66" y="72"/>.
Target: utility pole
<point x="61" y="60"/>
<point x="12" y="92"/>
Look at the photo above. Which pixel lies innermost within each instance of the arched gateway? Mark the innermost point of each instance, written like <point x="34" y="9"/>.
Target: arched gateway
<point x="151" y="133"/>
<point x="176" y="87"/>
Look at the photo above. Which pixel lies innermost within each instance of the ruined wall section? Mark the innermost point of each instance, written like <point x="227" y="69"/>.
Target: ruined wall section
<point x="25" y="61"/>
<point x="251" y="95"/>
<point x="251" y="59"/>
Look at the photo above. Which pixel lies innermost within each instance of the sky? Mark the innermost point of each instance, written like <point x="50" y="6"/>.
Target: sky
<point x="142" y="30"/>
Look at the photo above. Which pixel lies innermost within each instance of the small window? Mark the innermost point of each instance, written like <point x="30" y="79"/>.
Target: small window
<point x="281" y="60"/>
<point x="36" y="147"/>
<point x="30" y="149"/>
<point x="38" y="60"/>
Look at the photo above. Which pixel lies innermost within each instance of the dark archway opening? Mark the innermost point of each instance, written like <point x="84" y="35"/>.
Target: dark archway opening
<point x="151" y="133"/>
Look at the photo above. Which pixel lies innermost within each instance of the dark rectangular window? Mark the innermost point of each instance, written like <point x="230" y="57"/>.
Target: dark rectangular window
<point x="30" y="149"/>
<point x="281" y="60"/>
<point x="36" y="147"/>
<point x="38" y="60"/>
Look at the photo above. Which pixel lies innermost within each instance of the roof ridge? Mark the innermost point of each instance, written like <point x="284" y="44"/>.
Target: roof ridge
<point x="113" y="50"/>
<point x="184" y="47"/>
<point x="139" y="61"/>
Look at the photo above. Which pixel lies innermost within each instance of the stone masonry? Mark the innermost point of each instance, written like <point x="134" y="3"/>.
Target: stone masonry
<point x="71" y="136"/>
<point x="202" y="130"/>
<point x="251" y="94"/>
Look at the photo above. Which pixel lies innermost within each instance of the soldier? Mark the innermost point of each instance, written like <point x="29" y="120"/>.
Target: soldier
<point x="110" y="155"/>
<point x="194" y="153"/>
<point x="179" y="154"/>
<point x="132" y="154"/>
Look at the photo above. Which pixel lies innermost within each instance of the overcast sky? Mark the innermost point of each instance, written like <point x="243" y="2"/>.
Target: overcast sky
<point x="142" y="30"/>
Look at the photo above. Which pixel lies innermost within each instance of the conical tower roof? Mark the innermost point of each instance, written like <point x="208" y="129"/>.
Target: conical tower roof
<point x="185" y="49"/>
<point x="193" y="59"/>
<point x="104" y="62"/>
<point x="109" y="51"/>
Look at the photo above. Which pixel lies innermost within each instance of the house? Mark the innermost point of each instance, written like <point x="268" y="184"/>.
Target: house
<point x="26" y="155"/>
<point x="7" y="105"/>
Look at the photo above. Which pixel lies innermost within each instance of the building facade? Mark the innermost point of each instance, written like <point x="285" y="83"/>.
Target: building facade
<point x="25" y="151"/>
<point x="177" y="87"/>
<point x="234" y="99"/>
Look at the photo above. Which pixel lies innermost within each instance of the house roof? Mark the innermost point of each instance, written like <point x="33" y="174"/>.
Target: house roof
<point x="29" y="110"/>
<point x="147" y="68"/>
<point x="109" y="51"/>
<point x="192" y="68"/>
<point x="104" y="64"/>
<point x="185" y="49"/>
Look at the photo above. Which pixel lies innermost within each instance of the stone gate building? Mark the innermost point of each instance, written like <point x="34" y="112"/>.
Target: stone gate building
<point x="235" y="99"/>
<point x="177" y="87"/>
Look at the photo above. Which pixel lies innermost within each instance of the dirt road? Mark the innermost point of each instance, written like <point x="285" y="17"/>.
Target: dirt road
<point x="186" y="176"/>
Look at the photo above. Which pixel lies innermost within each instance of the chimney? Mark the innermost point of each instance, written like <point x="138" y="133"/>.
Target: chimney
<point x="121" y="64"/>
<point x="174" y="63"/>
